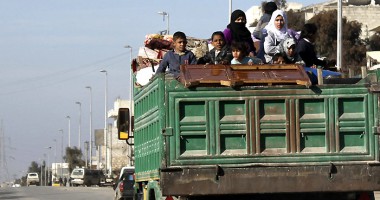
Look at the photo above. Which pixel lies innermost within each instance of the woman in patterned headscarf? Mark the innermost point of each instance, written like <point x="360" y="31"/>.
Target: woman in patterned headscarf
<point x="238" y="32"/>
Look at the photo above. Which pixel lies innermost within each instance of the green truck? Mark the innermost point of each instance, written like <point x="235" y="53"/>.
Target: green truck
<point x="256" y="132"/>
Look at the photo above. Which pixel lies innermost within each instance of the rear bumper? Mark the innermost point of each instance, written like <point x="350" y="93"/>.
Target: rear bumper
<point x="77" y="181"/>
<point x="262" y="179"/>
<point x="33" y="182"/>
<point x="127" y="194"/>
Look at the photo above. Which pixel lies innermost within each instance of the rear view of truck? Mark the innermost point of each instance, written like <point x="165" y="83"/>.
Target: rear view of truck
<point x="198" y="139"/>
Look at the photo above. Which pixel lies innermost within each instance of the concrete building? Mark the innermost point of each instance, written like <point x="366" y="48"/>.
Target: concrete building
<point x="120" y="152"/>
<point x="363" y="11"/>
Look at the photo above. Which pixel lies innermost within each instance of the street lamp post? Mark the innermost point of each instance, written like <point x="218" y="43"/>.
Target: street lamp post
<point x="61" y="130"/>
<point x="130" y="98"/>
<point x="55" y="159"/>
<point x="80" y="119"/>
<point x="86" y="152"/>
<point x="163" y="13"/>
<point x="47" y="169"/>
<point x="88" y="87"/>
<point x="130" y="81"/>
<point x="69" y="132"/>
<point x="44" y="170"/>
<point x="229" y="10"/>
<point x="105" y="120"/>
<point x="42" y="163"/>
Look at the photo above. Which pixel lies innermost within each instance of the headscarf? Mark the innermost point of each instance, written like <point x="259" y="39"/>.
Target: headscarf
<point x="285" y="45"/>
<point x="282" y="33"/>
<point x="239" y="31"/>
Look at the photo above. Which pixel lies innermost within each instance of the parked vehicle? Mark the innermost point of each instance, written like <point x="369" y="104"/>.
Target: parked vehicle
<point x="98" y="174"/>
<point x="233" y="132"/>
<point x="32" y="179"/>
<point x="16" y="185"/>
<point x="87" y="177"/>
<point x="126" y="169"/>
<point x="125" y="185"/>
<point x="59" y="171"/>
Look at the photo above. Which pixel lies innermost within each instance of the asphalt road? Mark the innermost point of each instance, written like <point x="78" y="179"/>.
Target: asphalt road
<point x="56" y="193"/>
<point x="65" y="193"/>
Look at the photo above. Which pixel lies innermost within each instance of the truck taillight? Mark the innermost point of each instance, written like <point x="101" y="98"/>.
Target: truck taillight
<point x="121" y="187"/>
<point x="169" y="198"/>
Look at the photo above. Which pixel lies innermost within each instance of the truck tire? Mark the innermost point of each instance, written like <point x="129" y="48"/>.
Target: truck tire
<point x="366" y="196"/>
<point x="138" y="196"/>
<point x="152" y="196"/>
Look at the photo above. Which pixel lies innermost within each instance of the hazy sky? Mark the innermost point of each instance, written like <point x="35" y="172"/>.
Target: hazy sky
<point x="50" y="50"/>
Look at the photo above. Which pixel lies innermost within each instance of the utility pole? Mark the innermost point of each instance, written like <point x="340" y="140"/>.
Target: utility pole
<point x="86" y="153"/>
<point x="88" y="87"/>
<point x="80" y="122"/>
<point x="105" y="121"/>
<point x="69" y="132"/>
<point x="61" y="130"/>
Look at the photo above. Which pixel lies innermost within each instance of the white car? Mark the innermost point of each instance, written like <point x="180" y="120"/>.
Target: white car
<point x="32" y="179"/>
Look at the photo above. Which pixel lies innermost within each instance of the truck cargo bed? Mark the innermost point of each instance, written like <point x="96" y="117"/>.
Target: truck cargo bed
<point x="199" y="140"/>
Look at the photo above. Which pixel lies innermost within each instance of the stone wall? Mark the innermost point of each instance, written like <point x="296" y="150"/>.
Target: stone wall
<point x="121" y="152"/>
<point x="367" y="15"/>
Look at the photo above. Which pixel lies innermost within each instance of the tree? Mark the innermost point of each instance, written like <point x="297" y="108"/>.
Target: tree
<point x="374" y="42"/>
<point x="295" y="20"/>
<point x="74" y="158"/>
<point x="353" y="48"/>
<point x="34" y="167"/>
<point x="281" y="4"/>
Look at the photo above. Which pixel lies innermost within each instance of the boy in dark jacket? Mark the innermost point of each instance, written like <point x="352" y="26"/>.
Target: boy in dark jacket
<point x="220" y="54"/>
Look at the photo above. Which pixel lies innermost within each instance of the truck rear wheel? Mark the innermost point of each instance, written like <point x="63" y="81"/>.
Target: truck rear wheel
<point x="152" y="196"/>
<point x="366" y="196"/>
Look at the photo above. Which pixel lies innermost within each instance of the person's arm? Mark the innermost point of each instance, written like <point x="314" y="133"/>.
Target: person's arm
<point x="250" y="61"/>
<point x="307" y="54"/>
<point x="228" y="36"/>
<point x="319" y="62"/>
<point x="206" y="59"/>
<point x="270" y="47"/>
<point x="163" y="64"/>
<point x="301" y="52"/>
<point x="257" y="30"/>
<point x="192" y="59"/>
<point x="227" y="56"/>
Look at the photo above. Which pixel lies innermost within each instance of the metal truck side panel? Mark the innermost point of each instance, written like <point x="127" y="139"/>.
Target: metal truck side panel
<point x="271" y="126"/>
<point x="257" y="139"/>
<point x="149" y="120"/>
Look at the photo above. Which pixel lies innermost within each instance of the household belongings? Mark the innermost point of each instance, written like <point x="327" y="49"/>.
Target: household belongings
<point x="154" y="49"/>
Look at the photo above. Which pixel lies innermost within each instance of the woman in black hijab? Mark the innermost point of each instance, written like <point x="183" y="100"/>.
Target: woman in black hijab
<point x="238" y="32"/>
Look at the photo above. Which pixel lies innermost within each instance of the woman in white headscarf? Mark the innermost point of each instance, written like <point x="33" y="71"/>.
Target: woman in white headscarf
<point x="275" y="32"/>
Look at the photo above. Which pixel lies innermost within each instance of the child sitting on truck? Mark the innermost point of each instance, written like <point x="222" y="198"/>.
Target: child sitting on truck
<point x="240" y="54"/>
<point x="220" y="54"/>
<point x="286" y="52"/>
<point x="177" y="56"/>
